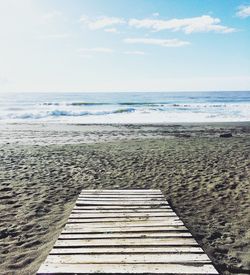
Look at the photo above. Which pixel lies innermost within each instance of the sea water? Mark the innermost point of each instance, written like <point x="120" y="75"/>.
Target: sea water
<point x="87" y="108"/>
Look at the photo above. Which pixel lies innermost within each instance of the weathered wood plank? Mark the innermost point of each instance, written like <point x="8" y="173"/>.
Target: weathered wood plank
<point x="139" y="196"/>
<point x="121" y="199"/>
<point x="124" y="207"/>
<point x="121" y="219"/>
<point x="126" y="242"/>
<point x="165" y="268"/>
<point x="119" y="203"/>
<point x="128" y="212"/>
<point x="127" y="224"/>
<point x="124" y="235"/>
<point x="83" y="229"/>
<point x="123" y="191"/>
<point x="135" y="249"/>
<point x="120" y="193"/>
<point x="120" y="211"/>
<point x="131" y="194"/>
<point x="120" y="215"/>
<point x="129" y="258"/>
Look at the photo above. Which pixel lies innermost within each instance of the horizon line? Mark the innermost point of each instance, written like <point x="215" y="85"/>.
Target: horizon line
<point x="182" y="91"/>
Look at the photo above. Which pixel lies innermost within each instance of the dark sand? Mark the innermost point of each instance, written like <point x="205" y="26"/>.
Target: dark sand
<point x="204" y="177"/>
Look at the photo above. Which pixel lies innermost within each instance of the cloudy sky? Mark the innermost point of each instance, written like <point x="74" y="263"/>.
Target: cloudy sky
<point x="124" y="45"/>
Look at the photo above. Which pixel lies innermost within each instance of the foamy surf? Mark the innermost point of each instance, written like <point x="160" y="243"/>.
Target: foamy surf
<point x="126" y="107"/>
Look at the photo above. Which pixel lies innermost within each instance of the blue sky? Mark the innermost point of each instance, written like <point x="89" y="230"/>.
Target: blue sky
<point x="124" y="45"/>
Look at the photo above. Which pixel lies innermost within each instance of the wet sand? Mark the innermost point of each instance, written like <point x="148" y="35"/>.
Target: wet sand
<point x="204" y="177"/>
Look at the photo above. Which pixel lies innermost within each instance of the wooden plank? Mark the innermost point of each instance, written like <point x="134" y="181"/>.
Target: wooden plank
<point x="120" y="199"/>
<point x="84" y="229"/>
<point x="123" y="191"/>
<point x="126" y="242"/>
<point x="129" y="258"/>
<point x="124" y="235"/>
<point x="135" y="249"/>
<point x="120" y="219"/>
<point x="114" y="220"/>
<point x="131" y="194"/>
<point x="124" y="218"/>
<point x="122" y="215"/>
<point x="120" y="193"/>
<point x="123" y="195"/>
<point x="125" y="201"/>
<point x="142" y="196"/>
<point x="126" y="224"/>
<point x="124" y="207"/>
<point x="121" y="203"/>
<point x="165" y="268"/>
<point x="120" y="211"/>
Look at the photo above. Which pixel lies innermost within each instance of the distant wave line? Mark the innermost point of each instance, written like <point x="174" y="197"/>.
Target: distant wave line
<point x="149" y="104"/>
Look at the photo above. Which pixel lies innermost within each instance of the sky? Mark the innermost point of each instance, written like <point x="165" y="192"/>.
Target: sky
<point x="124" y="45"/>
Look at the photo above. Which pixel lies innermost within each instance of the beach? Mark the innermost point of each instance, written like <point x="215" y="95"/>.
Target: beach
<point x="202" y="170"/>
<point x="125" y="95"/>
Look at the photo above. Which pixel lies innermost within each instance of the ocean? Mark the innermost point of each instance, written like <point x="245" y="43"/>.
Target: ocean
<point x="88" y="108"/>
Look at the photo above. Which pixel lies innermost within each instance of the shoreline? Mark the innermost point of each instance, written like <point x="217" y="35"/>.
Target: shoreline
<point x="53" y="133"/>
<point x="204" y="177"/>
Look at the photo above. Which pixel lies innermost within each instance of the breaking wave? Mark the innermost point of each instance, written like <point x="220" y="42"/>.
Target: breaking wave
<point x="65" y="113"/>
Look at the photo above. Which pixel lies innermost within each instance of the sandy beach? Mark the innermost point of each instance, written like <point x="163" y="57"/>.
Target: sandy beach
<point x="205" y="178"/>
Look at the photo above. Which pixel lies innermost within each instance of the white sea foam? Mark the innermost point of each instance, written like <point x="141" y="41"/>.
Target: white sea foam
<point x="129" y="108"/>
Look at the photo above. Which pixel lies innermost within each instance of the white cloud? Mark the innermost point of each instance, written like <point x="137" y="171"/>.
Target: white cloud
<point x="95" y="50"/>
<point x="204" y="23"/>
<point x="158" y="42"/>
<point x="101" y="22"/>
<point x="243" y="11"/>
<point x="111" y="30"/>
<point x="134" y="53"/>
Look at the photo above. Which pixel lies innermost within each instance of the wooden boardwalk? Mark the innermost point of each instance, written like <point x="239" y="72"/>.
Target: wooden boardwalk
<point x="125" y="232"/>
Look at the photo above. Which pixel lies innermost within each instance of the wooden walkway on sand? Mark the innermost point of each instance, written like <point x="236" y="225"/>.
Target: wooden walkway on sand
<point x="125" y="232"/>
